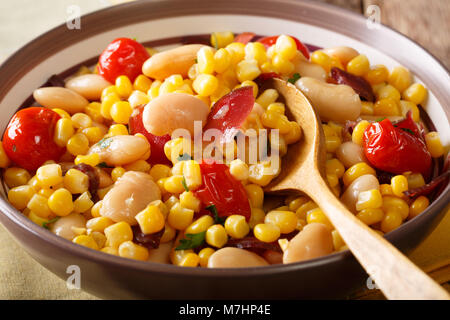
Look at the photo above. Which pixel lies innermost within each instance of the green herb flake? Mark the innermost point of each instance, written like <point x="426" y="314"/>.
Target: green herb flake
<point x="103" y="165"/>
<point x="192" y="241"/>
<point x="104" y="143"/>
<point x="408" y="130"/>
<point x="184" y="157"/>
<point x="294" y="78"/>
<point x="216" y="42"/>
<point x="196" y="60"/>
<point x="183" y="182"/>
<point x="381" y="119"/>
<point x="217" y="220"/>
<point x="45" y="224"/>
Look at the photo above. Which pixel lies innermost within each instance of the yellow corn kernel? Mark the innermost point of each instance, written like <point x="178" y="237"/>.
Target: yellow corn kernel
<point x="416" y="93"/>
<point x="150" y="220"/>
<point x="370" y="199"/>
<point x="193" y="71"/>
<point x="83" y="203"/>
<point x="142" y="83"/>
<point x="117" y="172"/>
<point x="338" y="242"/>
<point x="297" y="203"/>
<point x="99" y="238"/>
<point x="205" y="60"/>
<point x="247" y="70"/>
<point x="255" y="51"/>
<point x="124" y="86"/>
<point x="415" y="180"/>
<point x="286" y="221"/>
<point x="386" y="190"/>
<point x="334" y="166"/>
<point x="305" y="208"/>
<point x="93" y="110"/>
<point x="332" y="180"/>
<point x="317" y="216"/>
<point x="286" y="47"/>
<point x="255" y="195"/>
<point x="90" y="159"/>
<point x="174" y="184"/>
<point x="101" y="193"/>
<point x="400" y="78"/>
<point x="78" y="144"/>
<point x="153" y="92"/>
<point x="139" y="165"/>
<point x="257" y="217"/>
<point x="356" y="171"/>
<point x="216" y="236"/>
<point x="168" y="234"/>
<point x="386" y="107"/>
<point x="109" y="90"/>
<point x="294" y="134"/>
<point x="267" y="67"/>
<point x="266" y="232"/>
<point x="274" y="120"/>
<point x="107" y="103"/>
<point x="118" y="233"/>
<point x="418" y="206"/>
<point x="237" y="51"/>
<point x="138" y="98"/>
<point x="20" y="196"/>
<point x="37" y="219"/>
<point x="394" y="204"/>
<point x="283" y="243"/>
<point x="180" y="218"/>
<point x="392" y="220"/>
<point x="370" y="216"/>
<point x="49" y="175"/>
<point x="95" y="209"/>
<point x="130" y="250"/>
<point x="399" y="184"/>
<point x="222" y="60"/>
<point x="200" y="225"/>
<point x="190" y="260"/>
<point x="176" y="256"/>
<point x="160" y="184"/>
<point x="239" y="169"/>
<point x="322" y="59"/>
<point x="76" y="181"/>
<point x="406" y="106"/>
<point x="99" y="224"/>
<point x="221" y="39"/>
<point x="358" y="132"/>
<point x="63" y="131"/>
<point x="236" y="226"/>
<point x="159" y="171"/>
<point x="190" y="201"/>
<point x="204" y="255"/>
<point x="366" y="108"/>
<point x="4" y="160"/>
<point x="117" y="130"/>
<point x="378" y="74"/>
<point x="94" y="134"/>
<point x="359" y="65"/>
<point x="121" y="111"/>
<point x="267" y="97"/>
<point x="87" y="241"/>
<point x="15" y="177"/>
<point x="110" y="250"/>
<point x="332" y="143"/>
<point x="276" y="107"/>
<point x="81" y="120"/>
<point x="205" y="84"/>
<point x="39" y="205"/>
<point x="388" y="91"/>
<point x="434" y="144"/>
<point x="282" y="66"/>
<point x="252" y="84"/>
<point x="62" y="113"/>
<point x="262" y="173"/>
<point x="60" y="202"/>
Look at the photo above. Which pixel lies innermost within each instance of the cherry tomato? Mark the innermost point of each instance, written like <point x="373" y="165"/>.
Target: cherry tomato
<point x="269" y="41"/>
<point x="123" y="56"/>
<point x="244" y="37"/>
<point x="28" y="139"/>
<point x="230" y="111"/>
<point x="157" y="143"/>
<point x="396" y="149"/>
<point x="219" y="188"/>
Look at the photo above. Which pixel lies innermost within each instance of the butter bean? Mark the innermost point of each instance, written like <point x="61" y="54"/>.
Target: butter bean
<point x="235" y="258"/>
<point x="363" y="183"/>
<point x="174" y="61"/>
<point x="130" y="194"/>
<point x="344" y="54"/>
<point x="305" y="68"/>
<point x="349" y="153"/>
<point x="63" y="98"/>
<point x="332" y="102"/>
<point x="172" y="111"/>
<point x="63" y="227"/>
<point x="89" y="86"/>
<point x="162" y="254"/>
<point x="120" y="150"/>
<point x="313" y="241"/>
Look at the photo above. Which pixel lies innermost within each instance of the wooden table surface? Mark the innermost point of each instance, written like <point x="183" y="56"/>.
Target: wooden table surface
<point x="425" y="21"/>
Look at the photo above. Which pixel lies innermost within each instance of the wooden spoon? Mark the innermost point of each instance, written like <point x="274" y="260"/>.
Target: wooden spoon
<point x="303" y="168"/>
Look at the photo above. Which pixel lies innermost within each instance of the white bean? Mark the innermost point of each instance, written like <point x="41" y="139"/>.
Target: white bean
<point x="89" y="86"/>
<point x="174" y="61"/>
<point x="305" y="68"/>
<point x="313" y="241"/>
<point x="344" y="54"/>
<point x="172" y="111"/>
<point x="332" y="102"/>
<point x="63" y="227"/>
<point x="63" y="98"/>
<point x="363" y="183"/>
<point x="349" y="153"/>
<point x="162" y="254"/>
<point x="122" y="149"/>
<point x="130" y="194"/>
<point x="235" y="258"/>
<point x="104" y="179"/>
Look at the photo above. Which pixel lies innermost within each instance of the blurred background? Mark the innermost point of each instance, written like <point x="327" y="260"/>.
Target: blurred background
<point x="426" y="21"/>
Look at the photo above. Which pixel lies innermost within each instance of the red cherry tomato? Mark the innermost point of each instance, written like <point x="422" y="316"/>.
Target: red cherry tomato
<point x="28" y="139"/>
<point x="123" y="56"/>
<point x="269" y="41"/>
<point x="219" y="188"/>
<point x="157" y="143"/>
<point x="244" y="37"/>
<point x="230" y="111"/>
<point x="396" y="149"/>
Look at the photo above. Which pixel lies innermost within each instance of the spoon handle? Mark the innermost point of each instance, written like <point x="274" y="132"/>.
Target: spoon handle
<point x="395" y="275"/>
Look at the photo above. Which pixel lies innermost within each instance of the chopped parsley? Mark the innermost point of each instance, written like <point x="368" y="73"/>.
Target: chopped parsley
<point x="103" y="165"/>
<point x="45" y="224"/>
<point x="294" y="78"/>
<point x="408" y="130"/>
<point x="192" y="241"/>
<point x="217" y="220"/>
<point x="183" y="182"/>
<point x="104" y="143"/>
<point x="184" y="157"/>
<point x="381" y="119"/>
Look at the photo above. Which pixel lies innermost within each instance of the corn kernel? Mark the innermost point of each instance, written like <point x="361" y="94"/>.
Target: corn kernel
<point x="322" y="59"/>
<point x="190" y="201"/>
<point x="20" y="196"/>
<point x="118" y="233"/>
<point x="253" y="85"/>
<point x="257" y="217"/>
<point x="180" y="218"/>
<point x="83" y="203"/>
<point x="101" y="193"/>
<point x="37" y="219"/>
<point x="297" y="203"/>
<point x="304" y="209"/>
<point x="255" y="195"/>
<point x="266" y="232"/>
<point x="407" y="106"/>
<point x="204" y="255"/>
<point x="400" y="78"/>
<point x="139" y="165"/>
<point x="255" y="51"/>
<point x="159" y="171"/>
<point x="76" y="181"/>
<point x="142" y="83"/>
<point x="107" y="103"/>
<point x="247" y="70"/>
<point x="239" y="169"/>
<point x="99" y="238"/>
<point x="138" y="98"/>
<point x="286" y="221"/>
<point x="394" y="204"/>
<point x="39" y="205"/>
<point x="153" y="92"/>
<point x="63" y="131"/>
<point x="216" y="236"/>
<point x="267" y="97"/>
<point x="334" y="166"/>
<point x="416" y="93"/>
<point x="370" y="216"/>
<point x="358" y="132"/>
<point x="117" y="172"/>
<point x="366" y="108"/>
<point x="205" y="60"/>
<point x="378" y="74"/>
<point x="110" y="250"/>
<point x="262" y="173"/>
<point x="221" y="39"/>
<point x="434" y="144"/>
<point x="415" y="180"/>
<point x="282" y="66"/>
<point x="205" y="84"/>
<point x="91" y="159"/>
<point x="60" y="202"/>
<point x="174" y="184"/>
<point x="109" y="90"/>
<point x="95" y="209"/>
<point x="356" y="171"/>
<point x="392" y="220"/>
<point x="130" y="250"/>
<point x="338" y="242"/>
<point x="150" y="220"/>
<point x="317" y="216"/>
<point x="386" y="107"/>
<point x="121" y="111"/>
<point x="237" y="51"/>
<point x="87" y="241"/>
<point x="81" y="120"/>
<point x="222" y="60"/>
<point x="94" y="134"/>
<point x="15" y="177"/>
<point x="388" y="91"/>
<point x="236" y="226"/>
<point x="370" y="199"/>
<point x="99" y="224"/>
<point x="386" y="190"/>
<point x="418" y="206"/>
<point x="399" y="184"/>
<point x="4" y="160"/>
<point x="200" y="225"/>
<point x="62" y="113"/>
<point x="359" y="66"/>
<point x="168" y="234"/>
<point x="294" y="134"/>
<point x="49" y="175"/>
<point x="124" y="86"/>
<point x="286" y="47"/>
<point x="78" y="144"/>
<point x="190" y="260"/>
